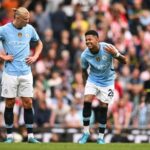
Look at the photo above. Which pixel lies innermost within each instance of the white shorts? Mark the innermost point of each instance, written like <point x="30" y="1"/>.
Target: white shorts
<point x="104" y="94"/>
<point x="17" y="86"/>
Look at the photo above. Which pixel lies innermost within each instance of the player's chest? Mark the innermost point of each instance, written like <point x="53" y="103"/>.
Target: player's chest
<point x="100" y="62"/>
<point x="23" y="36"/>
<point x="99" y="59"/>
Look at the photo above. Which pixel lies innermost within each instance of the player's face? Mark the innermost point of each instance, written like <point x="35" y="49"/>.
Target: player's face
<point x="23" y="19"/>
<point x="91" y="42"/>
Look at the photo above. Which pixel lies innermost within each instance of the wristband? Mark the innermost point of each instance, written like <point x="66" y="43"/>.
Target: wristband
<point x="117" y="55"/>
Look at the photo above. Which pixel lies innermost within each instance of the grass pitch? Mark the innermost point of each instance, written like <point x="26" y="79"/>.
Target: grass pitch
<point x="72" y="146"/>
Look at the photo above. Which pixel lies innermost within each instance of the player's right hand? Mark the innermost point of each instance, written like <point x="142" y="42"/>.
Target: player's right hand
<point x="8" y="57"/>
<point x="111" y="49"/>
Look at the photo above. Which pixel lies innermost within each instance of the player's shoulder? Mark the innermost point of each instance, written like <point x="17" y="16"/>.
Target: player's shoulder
<point x="30" y="27"/>
<point x="85" y="52"/>
<point x="6" y="25"/>
<point x="4" y="29"/>
<point x="103" y="44"/>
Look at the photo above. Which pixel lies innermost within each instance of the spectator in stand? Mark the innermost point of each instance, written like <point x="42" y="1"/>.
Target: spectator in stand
<point x="59" y="21"/>
<point x="134" y="13"/>
<point x="42" y="18"/>
<point x="43" y="114"/>
<point x="79" y="25"/>
<point x="72" y="119"/>
<point x="135" y="86"/>
<point x="60" y="109"/>
<point x="121" y="112"/>
<point x="47" y="41"/>
<point x="124" y="77"/>
<point x="140" y="115"/>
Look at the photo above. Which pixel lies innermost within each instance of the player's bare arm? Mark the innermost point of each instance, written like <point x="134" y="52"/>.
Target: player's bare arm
<point x="38" y="50"/>
<point x="112" y="50"/>
<point x="5" y="57"/>
<point x="84" y="75"/>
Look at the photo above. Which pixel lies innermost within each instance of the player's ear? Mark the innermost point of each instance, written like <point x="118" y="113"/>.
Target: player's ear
<point x="14" y="10"/>
<point x="97" y="39"/>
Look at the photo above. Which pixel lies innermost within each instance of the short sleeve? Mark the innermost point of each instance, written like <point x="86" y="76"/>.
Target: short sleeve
<point x="1" y="33"/>
<point x="34" y="36"/>
<point x="84" y="63"/>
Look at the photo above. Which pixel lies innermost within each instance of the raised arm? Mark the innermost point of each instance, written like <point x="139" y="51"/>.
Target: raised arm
<point x="112" y="50"/>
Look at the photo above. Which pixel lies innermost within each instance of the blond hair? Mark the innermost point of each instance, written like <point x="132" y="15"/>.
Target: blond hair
<point x="20" y="11"/>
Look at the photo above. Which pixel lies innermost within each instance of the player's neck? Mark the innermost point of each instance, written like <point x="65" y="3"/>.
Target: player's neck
<point x="95" y="50"/>
<point x="14" y="23"/>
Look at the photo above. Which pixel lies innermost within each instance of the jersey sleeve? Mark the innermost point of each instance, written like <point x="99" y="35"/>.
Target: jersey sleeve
<point x="34" y="36"/>
<point x="1" y="33"/>
<point x="84" y="63"/>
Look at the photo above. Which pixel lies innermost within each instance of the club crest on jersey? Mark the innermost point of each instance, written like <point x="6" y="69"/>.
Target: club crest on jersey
<point x="98" y="58"/>
<point x="19" y="34"/>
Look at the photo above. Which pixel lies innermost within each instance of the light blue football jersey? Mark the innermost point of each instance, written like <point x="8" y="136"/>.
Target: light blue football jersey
<point x="16" y="42"/>
<point x="100" y="65"/>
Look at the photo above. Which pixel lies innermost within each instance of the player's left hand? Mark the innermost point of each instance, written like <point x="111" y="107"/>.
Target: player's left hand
<point x="30" y="59"/>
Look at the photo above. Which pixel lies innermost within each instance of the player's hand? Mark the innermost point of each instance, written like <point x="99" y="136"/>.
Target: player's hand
<point x="7" y="57"/>
<point x="30" y="60"/>
<point x="111" y="49"/>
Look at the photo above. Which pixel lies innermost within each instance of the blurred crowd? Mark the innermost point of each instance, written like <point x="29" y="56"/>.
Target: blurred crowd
<point x="58" y="87"/>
